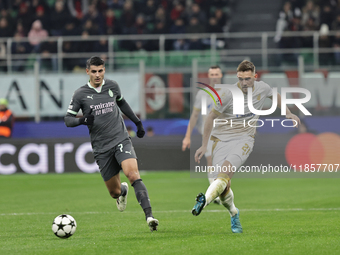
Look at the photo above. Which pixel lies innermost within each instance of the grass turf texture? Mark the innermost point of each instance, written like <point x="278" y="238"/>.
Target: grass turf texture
<point x="29" y="203"/>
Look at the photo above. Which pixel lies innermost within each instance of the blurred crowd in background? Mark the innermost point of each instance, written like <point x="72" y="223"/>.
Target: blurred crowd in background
<point x="310" y="15"/>
<point x="37" y="19"/>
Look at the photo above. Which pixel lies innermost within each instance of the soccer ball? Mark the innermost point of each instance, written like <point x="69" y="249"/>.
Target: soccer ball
<point x="64" y="226"/>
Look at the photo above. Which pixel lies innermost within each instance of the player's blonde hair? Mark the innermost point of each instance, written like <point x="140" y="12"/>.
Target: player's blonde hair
<point x="245" y="66"/>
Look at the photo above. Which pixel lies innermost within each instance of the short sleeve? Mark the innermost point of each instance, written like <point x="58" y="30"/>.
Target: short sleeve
<point x="118" y="92"/>
<point x="74" y="105"/>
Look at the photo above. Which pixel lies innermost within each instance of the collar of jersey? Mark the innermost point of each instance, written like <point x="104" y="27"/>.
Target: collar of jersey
<point x="100" y="90"/>
<point x="239" y="86"/>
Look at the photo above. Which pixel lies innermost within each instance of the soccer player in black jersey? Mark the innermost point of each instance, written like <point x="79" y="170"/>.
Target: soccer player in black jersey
<point x="101" y="101"/>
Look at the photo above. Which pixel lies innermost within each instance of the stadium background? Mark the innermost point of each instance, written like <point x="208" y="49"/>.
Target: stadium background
<point x="155" y="50"/>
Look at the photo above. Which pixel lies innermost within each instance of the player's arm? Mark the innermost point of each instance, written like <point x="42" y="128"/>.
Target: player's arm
<point x="126" y="109"/>
<point x="208" y="126"/>
<point x="192" y="123"/>
<point x="71" y="119"/>
<point x="289" y="114"/>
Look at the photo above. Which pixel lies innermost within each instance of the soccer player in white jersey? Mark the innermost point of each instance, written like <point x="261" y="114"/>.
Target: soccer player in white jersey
<point x="215" y="77"/>
<point x="232" y="144"/>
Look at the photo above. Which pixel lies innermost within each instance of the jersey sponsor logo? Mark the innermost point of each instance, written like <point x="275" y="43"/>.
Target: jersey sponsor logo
<point x="90" y="97"/>
<point x="110" y="93"/>
<point x="103" y="108"/>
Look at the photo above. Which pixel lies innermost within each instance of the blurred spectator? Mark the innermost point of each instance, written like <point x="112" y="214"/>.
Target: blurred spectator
<point x="336" y="22"/>
<point x="197" y="13"/>
<point x="5" y="30"/>
<point x="327" y="16"/>
<point x="41" y="15"/>
<point x="36" y="35"/>
<point x="178" y="27"/>
<point x="77" y="8"/>
<point x="195" y="28"/>
<point x="20" y="29"/>
<point x="25" y="15"/>
<point x="127" y="20"/>
<point x="6" y="119"/>
<point x="213" y="27"/>
<point x="112" y="23"/>
<point x="177" y="12"/>
<point x="71" y="29"/>
<point x="98" y="21"/>
<point x="285" y="17"/>
<point x="181" y="44"/>
<point x="325" y="42"/>
<point x="336" y="45"/>
<point x="149" y="132"/>
<point x="149" y="11"/>
<point x="48" y="51"/>
<point x="307" y="41"/>
<point x="19" y="46"/>
<point x="115" y="4"/>
<point x="221" y="18"/>
<point x="101" y="5"/>
<point x="310" y="11"/>
<point x="162" y="16"/>
<point x="4" y="13"/>
<point x="59" y="18"/>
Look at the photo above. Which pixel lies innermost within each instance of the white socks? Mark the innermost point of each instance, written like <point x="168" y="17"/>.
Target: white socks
<point x="215" y="189"/>
<point x="228" y="202"/>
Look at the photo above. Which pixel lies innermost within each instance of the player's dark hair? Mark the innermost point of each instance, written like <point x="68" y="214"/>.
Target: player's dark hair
<point x="94" y="61"/>
<point x="245" y="66"/>
<point x="215" y="67"/>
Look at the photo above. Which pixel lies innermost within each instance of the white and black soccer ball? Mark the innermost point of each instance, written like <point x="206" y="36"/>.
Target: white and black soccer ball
<point x="64" y="226"/>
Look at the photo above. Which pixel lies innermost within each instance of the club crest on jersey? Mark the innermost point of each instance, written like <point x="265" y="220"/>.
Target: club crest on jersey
<point x="258" y="97"/>
<point x="110" y="93"/>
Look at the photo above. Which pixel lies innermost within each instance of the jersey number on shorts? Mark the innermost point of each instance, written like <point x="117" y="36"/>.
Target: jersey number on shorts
<point x="245" y="149"/>
<point x="120" y="147"/>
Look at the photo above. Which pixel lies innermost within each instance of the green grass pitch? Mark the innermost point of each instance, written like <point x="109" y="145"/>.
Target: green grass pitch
<point x="279" y="216"/>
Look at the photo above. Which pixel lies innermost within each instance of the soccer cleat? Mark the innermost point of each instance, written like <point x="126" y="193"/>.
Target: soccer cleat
<point x="235" y="223"/>
<point x="152" y="223"/>
<point x="200" y="203"/>
<point x="122" y="200"/>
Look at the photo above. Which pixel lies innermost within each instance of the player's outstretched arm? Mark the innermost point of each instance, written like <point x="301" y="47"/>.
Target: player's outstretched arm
<point x="208" y="126"/>
<point x="192" y="123"/>
<point x="126" y="109"/>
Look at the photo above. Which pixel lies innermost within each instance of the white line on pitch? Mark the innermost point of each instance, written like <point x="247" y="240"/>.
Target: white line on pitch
<point x="181" y="211"/>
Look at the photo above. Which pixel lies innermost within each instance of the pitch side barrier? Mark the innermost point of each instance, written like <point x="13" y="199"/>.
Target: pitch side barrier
<point x="41" y="156"/>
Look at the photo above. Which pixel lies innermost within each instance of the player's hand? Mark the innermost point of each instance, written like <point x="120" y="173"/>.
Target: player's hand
<point x="87" y="119"/>
<point x="140" y="129"/>
<point x="294" y="117"/>
<point x="199" y="153"/>
<point x="186" y="143"/>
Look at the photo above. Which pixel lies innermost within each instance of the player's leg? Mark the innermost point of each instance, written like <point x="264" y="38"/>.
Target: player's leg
<point x="130" y="169"/>
<point x="109" y="169"/>
<point x="127" y="158"/>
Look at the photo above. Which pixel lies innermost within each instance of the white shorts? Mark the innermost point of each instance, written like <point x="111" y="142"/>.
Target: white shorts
<point x="209" y="148"/>
<point x="236" y="151"/>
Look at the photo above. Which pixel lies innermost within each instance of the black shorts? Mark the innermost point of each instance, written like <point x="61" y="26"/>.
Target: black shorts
<point x="109" y="162"/>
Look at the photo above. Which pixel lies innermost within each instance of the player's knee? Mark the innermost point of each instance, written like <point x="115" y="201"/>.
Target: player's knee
<point x="115" y="193"/>
<point x="132" y="176"/>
